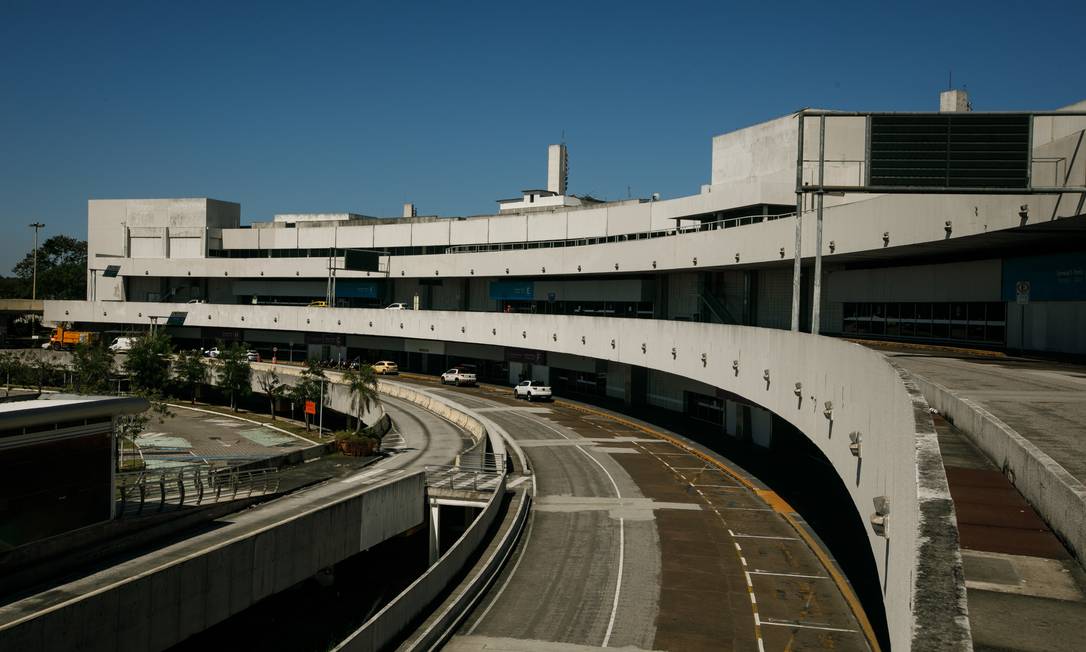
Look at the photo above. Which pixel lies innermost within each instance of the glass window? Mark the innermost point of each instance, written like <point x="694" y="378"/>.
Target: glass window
<point x="957" y="311"/>
<point x="976" y="312"/>
<point x="940" y="311"/>
<point x="995" y="333"/>
<point x="923" y="311"/>
<point x="996" y="311"/>
<point x="923" y="328"/>
<point x="908" y="310"/>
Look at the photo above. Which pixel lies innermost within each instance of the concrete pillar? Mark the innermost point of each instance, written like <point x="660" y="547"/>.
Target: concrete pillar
<point x="435" y="532"/>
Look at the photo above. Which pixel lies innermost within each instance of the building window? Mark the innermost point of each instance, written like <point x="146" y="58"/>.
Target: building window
<point x="974" y="321"/>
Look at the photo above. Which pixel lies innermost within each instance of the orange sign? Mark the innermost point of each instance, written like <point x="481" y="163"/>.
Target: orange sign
<point x="310" y="407"/>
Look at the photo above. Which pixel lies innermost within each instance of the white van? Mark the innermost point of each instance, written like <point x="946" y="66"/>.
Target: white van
<point x="122" y="344"/>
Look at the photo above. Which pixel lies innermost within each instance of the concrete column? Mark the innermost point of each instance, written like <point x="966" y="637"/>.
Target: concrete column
<point x="435" y="532"/>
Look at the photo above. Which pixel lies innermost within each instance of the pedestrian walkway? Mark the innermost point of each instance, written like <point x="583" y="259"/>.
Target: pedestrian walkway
<point x="1044" y="401"/>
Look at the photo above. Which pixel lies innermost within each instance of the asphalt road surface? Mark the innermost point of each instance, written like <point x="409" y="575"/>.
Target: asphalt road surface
<point x="635" y="543"/>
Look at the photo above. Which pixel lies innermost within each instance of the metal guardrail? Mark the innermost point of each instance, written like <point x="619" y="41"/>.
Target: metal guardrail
<point x="463" y="478"/>
<point x="191" y="485"/>
<point x="727" y="223"/>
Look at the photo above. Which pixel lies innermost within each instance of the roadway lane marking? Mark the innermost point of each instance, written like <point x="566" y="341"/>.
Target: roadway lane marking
<point x="761" y="536"/>
<point x="770" y="498"/>
<point x="825" y="628"/>
<point x="799" y="575"/>
<point x="738" y="548"/>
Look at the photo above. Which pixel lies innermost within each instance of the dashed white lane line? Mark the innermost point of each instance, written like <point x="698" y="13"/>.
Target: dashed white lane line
<point x="738" y="548"/>
<point x="805" y="626"/>
<point x="799" y="575"/>
<point x="761" y="536"/>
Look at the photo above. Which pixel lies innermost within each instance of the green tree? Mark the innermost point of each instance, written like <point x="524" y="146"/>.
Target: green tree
<point x="12" y="368"/>
<point x="92" y="365"/>
<point x="191" y="372"/>
<point x="308" y="388"/>
<point x="362" y="385"/>
<point x="62" y="269"/>
<point x="234" y="374"/>
<point x="148" y="363"/>
<point x="270" y="384"/>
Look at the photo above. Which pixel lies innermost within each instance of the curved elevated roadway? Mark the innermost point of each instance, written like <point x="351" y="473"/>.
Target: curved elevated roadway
<point x="636" y="543"/>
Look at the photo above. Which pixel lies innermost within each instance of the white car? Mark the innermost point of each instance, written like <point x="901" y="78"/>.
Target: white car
<point x="122" y="344"/>
<point x="457" y="377"/>
<point x="212" y="352"/>
<point x="252" y="356"/>
<point x="397" y="306"/>
<point x="533" y="390"/>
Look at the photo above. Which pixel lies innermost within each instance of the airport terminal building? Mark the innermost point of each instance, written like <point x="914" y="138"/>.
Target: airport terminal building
<point x="955" y="228"/>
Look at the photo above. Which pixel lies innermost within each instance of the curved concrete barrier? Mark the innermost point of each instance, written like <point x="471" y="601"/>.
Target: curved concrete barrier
<point x="1057" y="495"/>
<point x="390" y="622"/>
<point x="829" y="389"/>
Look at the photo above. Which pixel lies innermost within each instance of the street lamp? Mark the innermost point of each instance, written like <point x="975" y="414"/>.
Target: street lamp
<point x="37" y="226"/>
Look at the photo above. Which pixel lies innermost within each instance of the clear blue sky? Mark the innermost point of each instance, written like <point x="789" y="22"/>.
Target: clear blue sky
<point x="326" y="106"/>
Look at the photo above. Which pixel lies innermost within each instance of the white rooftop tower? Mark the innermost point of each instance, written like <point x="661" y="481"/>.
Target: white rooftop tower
<point x="557" y="169"/>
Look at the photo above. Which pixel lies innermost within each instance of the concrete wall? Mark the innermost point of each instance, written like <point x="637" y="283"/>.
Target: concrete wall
<point x="852" y="228"/>
<point x="865" y="393"/>
<point x="388" y="623"/>
<point x="187" y="593"/>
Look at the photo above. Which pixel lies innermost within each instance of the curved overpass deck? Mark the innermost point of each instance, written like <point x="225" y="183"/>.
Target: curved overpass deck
<point x="637" y="543"/>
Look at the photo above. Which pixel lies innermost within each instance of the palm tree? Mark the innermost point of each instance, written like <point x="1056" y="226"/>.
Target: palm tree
<point x="362" y="385"/>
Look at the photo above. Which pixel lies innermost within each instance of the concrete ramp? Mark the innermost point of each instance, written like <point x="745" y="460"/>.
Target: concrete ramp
<point x="157" y="600"/>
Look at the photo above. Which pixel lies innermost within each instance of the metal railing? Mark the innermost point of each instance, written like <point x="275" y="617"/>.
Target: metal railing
<point x="463" y="478"/>
<point x="714" y="225"/>
<point x="190" y="485"/>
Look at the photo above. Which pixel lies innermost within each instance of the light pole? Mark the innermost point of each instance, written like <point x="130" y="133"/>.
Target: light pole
<point x="37" y="226"/>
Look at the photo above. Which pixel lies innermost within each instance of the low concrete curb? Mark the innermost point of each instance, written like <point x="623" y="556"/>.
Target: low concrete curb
<point x="940" y="602"/>
<point x="1058" y="496"/>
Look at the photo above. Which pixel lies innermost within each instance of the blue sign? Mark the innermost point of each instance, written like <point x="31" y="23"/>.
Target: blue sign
<point x="512" y="290"/>
<point x="361" y="289"/>
<point x="1053" y="277"/>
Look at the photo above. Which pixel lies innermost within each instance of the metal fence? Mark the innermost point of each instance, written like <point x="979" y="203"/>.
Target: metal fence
<point x="464" y="478"/>
<point x="714" y="225"/>
<point x="190" y="485"/>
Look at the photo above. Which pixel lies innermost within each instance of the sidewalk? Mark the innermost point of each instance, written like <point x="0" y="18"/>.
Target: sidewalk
<point x="1043" y="401"/>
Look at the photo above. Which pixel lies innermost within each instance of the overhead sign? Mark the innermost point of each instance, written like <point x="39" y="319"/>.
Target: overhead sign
<point x="361" y="260"/>
<point x="949" y="150"/>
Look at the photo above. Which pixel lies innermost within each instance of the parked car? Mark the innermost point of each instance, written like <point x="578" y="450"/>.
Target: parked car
<point x="397" y="306"/>
<point x="252" y="356"/>
<point x="458" y="377"/>
<point x="213" y="352"/>
<point x="122" y="344"/>
<point x="386" y="367"/>
<point x="533" y="390"/>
